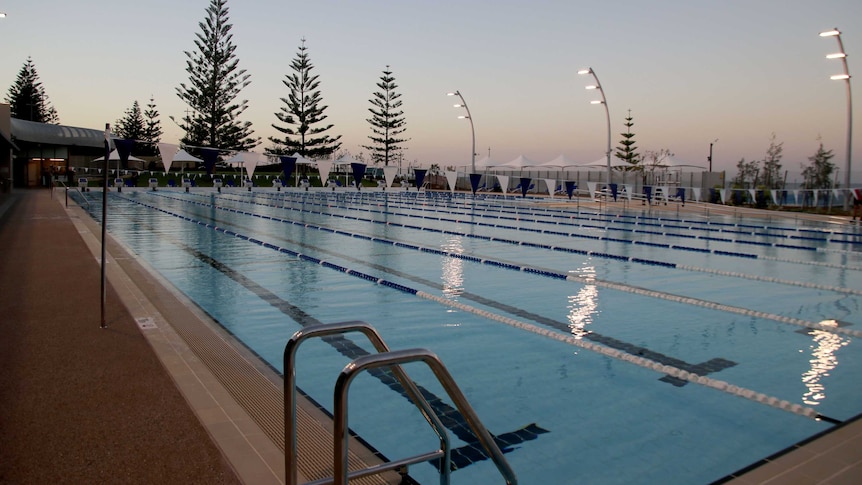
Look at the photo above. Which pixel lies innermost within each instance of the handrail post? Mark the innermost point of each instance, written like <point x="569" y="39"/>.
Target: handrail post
<point x="290" y="349"/>
<point x="342" y="385"/>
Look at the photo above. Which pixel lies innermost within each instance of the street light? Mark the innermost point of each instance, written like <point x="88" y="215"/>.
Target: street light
<point x="710" y="154"/>
<point x="843" y="77"/>
<point x="472" y="128"/>
<point x="598" y="86"/>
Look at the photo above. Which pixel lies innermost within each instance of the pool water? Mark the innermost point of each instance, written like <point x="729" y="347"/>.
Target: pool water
<point x="614" y="346"/>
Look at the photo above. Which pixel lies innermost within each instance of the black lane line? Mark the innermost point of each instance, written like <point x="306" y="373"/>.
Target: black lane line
<point x="463" y="456"/>
<point x="704" y="368"/>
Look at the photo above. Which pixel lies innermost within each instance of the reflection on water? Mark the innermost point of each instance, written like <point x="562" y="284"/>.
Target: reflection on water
<point x="582" y="306"/>
<point x="453" y="269"/>
<point x="822" y="361"/>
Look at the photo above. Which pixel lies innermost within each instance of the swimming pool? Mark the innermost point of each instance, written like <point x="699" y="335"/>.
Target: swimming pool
<point x="574" y="333"/>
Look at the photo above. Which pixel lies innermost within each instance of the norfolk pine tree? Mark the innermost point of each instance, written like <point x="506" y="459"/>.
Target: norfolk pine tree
<point x="214" y="83"/>
<point x="627" y="151"/>
<point x="27" y="99"/>
<point x="152" y="129"/>
<point x="387" y="121"/>
<point x="302" y="113"/>
<point x="131" y="126"/>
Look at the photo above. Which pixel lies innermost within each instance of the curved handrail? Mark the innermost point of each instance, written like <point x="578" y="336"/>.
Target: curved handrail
<point x="67" y="194"/>
<point x="322" y="330"/>
<point x="342" y="385"/>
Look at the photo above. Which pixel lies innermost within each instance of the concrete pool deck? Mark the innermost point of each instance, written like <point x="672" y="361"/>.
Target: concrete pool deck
<point x="137" y="402"/>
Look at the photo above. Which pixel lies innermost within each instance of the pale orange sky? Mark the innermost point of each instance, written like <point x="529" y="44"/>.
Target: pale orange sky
<point x="691" y="72"/>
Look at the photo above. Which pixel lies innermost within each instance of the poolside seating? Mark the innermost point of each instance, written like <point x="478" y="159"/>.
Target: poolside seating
<point x="519" y="186"/>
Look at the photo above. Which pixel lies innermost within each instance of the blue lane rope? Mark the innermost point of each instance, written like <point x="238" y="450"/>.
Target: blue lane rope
<point x="596" y="254"/>
<point x="538" y="271"/>
<point x="642" y="362"/>
<point x="606" y="229"/>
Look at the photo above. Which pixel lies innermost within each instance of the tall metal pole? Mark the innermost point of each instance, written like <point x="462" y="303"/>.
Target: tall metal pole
<point x="846" y="78"/>
<point x="709" y="158"/>
<point x="604" y="101"/>
<point x="105" y="219"/>
<point x="472" y="128"/>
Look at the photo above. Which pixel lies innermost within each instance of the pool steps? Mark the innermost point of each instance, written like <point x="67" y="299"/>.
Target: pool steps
<point x="384" y="358"/>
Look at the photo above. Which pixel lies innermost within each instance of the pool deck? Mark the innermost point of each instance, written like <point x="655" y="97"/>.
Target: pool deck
<point x="144" y="400"/>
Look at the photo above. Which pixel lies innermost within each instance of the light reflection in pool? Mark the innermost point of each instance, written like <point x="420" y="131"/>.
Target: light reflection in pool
<point x="823" y="360"/>
<point x="582" y="305"/>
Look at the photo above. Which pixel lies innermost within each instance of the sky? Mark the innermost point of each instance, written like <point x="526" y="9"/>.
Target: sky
<point x="691" y="72"/>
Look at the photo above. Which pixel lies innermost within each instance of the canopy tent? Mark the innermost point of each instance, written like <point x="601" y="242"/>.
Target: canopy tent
<point x="561" y="161"/>
<point x="115" y="157"/>
<point x="345" y="160"/>
<point x="300" y="160"/>
<point x="518" y="163"/>
<point x="184" y="156"/>
<point x="486" y="162"/>
<point x="247" y="161"/>
<point x="672" y="163"/>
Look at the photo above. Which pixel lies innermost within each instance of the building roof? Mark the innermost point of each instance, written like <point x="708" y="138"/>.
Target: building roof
<point x="33" y="132"/>
<point x="6" y="139"/>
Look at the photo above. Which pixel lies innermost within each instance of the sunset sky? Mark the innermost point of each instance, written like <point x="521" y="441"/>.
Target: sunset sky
<point x="690" y="72"/>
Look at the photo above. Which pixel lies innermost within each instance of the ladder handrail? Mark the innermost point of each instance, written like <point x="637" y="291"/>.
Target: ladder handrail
<point x="342" y="386"/>
<point x="322" y="330"/>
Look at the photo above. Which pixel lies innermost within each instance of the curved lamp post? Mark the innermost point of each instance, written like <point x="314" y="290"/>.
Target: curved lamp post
<point x="472" y="128"/>
<point x="603" y="101"/>
<point x="846" y="78"/>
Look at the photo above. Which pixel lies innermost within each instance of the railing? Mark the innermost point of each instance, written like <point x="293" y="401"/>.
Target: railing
<point x="66" y="187"/>
<point x="390" y="359"/>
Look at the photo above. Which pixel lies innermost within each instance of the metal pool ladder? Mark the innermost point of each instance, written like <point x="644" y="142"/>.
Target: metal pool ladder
<point x="390" y="359"/>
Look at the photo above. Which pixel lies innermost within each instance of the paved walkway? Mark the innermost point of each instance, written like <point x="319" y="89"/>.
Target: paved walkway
<point x="78" y="403"/>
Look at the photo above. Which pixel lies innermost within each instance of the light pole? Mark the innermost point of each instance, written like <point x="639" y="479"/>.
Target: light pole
<point x="603" y="101"/>
<point x="846" y="78"/>
<point x="709" y="159"/>
<point x="472" y="128"/>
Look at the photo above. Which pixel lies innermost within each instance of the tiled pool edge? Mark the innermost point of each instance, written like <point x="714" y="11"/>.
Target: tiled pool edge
<point x="237" y="428"/>
<point x="253" y="456"/>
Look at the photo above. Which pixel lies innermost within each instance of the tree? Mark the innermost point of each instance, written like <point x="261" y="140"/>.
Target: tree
<point x="387" y="120"/>
<point x="27" y="99"/>
<point x="818" y="175"/>
<point x="131" y="126"/>
<point x="627" y="151"/>
<point x="772" y="165"/>
<point x="214" y="83"/>
<point x="152" y="129"/>
<point x="302" y="112"/>
<point x="746" y="171"/>
<point x="655" y="159"/>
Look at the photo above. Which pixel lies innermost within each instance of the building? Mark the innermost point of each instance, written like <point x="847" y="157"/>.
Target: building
<point x="46" y="150"/>
<point x="7" y="147"/>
